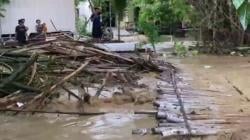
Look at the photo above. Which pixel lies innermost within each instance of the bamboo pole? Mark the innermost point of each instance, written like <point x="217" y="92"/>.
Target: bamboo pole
<point x="71" y="113"/>
<point x="53" y="112"/>
<point x="47" y="93"/>
<point x="19" y="72"/>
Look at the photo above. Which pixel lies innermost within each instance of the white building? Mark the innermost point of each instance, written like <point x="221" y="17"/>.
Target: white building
<point x="61" y="12"/>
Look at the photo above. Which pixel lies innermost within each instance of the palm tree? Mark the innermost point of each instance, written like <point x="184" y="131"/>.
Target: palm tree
<point x="119" y="7"/>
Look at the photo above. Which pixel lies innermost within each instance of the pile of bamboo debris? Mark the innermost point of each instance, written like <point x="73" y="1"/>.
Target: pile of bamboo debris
<point x="31" y="75"/>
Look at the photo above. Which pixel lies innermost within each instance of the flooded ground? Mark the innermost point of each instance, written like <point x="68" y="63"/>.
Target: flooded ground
<point x="117" y="124"/>
<point x="217" y="71"/>
<point x="104" y="127"/>
<point x="226" y="80"/>
<point x="223" y="79"/>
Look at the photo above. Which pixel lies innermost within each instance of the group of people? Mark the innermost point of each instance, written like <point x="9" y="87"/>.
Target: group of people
<point x="21" y="31"/>
<point x="41" y="28"/>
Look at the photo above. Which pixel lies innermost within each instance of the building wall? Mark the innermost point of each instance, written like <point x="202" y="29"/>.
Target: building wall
<point x="61" y="12"/>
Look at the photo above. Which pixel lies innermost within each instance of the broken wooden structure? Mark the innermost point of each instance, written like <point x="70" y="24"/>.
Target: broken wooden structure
<point x="32" y="75"/>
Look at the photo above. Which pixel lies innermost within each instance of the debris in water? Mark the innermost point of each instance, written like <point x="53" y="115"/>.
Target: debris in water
<point x="19" y="104"/>
<point x="207" y="67"/>
<point x="49" y="66"/>
<point x="142" y="131"/>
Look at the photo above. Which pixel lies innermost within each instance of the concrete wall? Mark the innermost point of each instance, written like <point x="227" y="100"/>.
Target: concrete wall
<point x="62" y="12"/>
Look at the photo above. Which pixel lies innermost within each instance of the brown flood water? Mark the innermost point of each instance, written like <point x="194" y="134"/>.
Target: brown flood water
<point x="205" y="73"/>
<point x="104" y="127"/>
<point x="220" y="76"/>
<point x="214" y="72"/>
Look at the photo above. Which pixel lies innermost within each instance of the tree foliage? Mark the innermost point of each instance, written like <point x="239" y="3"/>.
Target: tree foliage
<point x="219" y="25"/>
<point x="166" y="12"/>
<point x="119" y="7"/>
<point x="2" y="3"/>
<point x="243" y="9"/>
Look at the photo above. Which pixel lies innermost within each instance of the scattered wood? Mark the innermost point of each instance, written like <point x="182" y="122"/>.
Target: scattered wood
<point x="170" y="117"/>
<point x="53" y="112"/>
<point x="34" y="70"/>
<point x="184" y="132"/>
<point x="235" y="87"/>
<point x="64" y="61"/>
<point x="153" y="112"/>
<point x="63" y="112"/>
<point x="49" y="92"/>
<point x="72" y="93"/>
<point x="30" y="48"/>
<point x="99" y="91"/>
<point x="19" y="72"/>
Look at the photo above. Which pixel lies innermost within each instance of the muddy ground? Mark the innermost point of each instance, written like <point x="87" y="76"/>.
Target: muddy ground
<point x="225" y="78"/>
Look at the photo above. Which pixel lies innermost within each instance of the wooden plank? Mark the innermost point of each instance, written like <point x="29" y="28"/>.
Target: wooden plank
<point x="53" y="112"/>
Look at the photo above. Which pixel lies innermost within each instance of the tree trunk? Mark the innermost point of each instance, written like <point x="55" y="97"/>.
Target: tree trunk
<point x="1" y="32"/>
<point x="119" y="29"/>
<point x="153" y="44"/>
<point x="214" y="23"/>
<point x="242" y="37"/>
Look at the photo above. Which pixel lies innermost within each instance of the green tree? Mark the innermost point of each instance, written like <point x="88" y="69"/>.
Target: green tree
<point x="243" y="9"/>
<point x="2" y="3"/>
<point x="219" y="25"/>
<point x="119" y="6"/>
<point x="157" y="12"/>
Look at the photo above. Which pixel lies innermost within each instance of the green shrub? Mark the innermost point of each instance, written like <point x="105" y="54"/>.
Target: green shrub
<point x="81" y="26"/>
<point x="151" y="31"/>
<point x="180" y="49"/>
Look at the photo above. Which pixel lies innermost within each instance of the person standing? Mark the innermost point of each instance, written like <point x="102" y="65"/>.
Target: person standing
<point x="97" y="27"/>
<point x="21" y="32"/>
<point x="40" y="34"/>
<point x="45" y="28"/>
<point x="39" y="26"/>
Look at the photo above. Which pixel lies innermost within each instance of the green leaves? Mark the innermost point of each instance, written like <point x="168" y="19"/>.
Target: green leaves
<point x="2" y="2"/>
<point x="150" y="29"/>
<point x="238" y="3"/>
<point x="155" y="14"/>
<point x="243" y="13"/>
<point x="243" y="9"/>
<point x="119" y="6"/>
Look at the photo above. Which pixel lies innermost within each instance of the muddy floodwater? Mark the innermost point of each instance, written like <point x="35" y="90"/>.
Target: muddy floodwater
<point x="215" y="72"/>
<point x="228" y="79"/>
<point x="208" y="73"/>
<point x="104" y="127"/>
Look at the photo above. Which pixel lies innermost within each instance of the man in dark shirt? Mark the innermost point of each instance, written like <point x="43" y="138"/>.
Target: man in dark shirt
<point x="97" y="29"/>
<point x="21" y="32"/>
